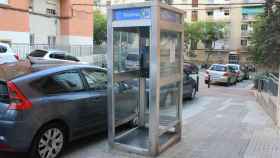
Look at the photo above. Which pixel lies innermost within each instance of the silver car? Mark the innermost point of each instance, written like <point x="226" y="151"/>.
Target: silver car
<point x="219" y="73"/>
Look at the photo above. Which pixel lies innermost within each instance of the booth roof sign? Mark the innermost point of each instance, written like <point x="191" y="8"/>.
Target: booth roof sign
<point x="170" y="16"/>
<point x="132" y="14"/>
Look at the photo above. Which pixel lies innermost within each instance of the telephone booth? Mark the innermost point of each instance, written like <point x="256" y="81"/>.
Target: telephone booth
<point x="145" y="69"/>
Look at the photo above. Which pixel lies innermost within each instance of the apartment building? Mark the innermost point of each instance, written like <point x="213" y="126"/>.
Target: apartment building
<point x="238" y="19"/>
<point x="46" y="22"/>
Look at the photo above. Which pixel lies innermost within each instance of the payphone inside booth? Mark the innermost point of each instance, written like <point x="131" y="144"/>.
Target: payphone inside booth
<point x="145" y="69"/>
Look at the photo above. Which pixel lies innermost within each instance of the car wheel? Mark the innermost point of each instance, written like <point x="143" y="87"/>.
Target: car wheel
<point x="49" y="142"/>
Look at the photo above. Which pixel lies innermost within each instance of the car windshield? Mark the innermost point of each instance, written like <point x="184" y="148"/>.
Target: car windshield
<point x="218" y="68"/>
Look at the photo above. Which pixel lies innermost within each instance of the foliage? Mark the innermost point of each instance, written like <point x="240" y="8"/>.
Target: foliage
<point x="256" y="41"/>
<point x="206" y="32"/>
<point x="265" y="39"/>
<point x="100" y="27"/>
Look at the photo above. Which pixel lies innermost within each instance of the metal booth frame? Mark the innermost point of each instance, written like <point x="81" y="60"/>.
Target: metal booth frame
<point x="156" y="25"/>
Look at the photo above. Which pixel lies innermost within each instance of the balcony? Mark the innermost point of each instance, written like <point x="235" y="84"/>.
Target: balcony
<point x="248" y="18"/>
<point x="245" y="33"/>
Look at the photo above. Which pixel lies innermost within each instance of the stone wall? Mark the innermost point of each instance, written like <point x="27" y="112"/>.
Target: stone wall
<point x="269" y="104"/>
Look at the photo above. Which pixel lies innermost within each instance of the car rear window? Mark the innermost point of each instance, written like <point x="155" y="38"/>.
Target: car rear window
<point x="38" y="53"/>
<point x="233" y="67"/>
<point x="3" y="49"/>
<point x="133" y="57"/>
<point x="218" y="68"/>
<point x="4" y="94"/>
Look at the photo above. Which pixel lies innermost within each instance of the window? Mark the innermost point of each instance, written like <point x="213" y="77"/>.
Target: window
<point x="233" y="59"/>
<point x="51" y="12"/>
<point x="51" y="41"/>
<point x="38" y="53"/>
<point x="194" y="3"/>
<point x="244" y="42"/>
<point x="96" y="80"/>
<point x="63" y="56"/>
<point x="4" y="2"/>
<point x="210" y="13"/>
<point x="245" y="16"/>
<point x="226" y="12"/>
<point x="60" y="83"/>
<point x="194" y="15"/>
<point x="71" y="58"/>
<point x="244" y="27"/>
<point x="60" y="56"/>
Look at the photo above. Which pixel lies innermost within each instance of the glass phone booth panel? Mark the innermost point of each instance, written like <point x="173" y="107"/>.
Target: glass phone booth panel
<point x="145" y="77"/>
<point x="170" y="78"/>
<point x="131" y="48"/>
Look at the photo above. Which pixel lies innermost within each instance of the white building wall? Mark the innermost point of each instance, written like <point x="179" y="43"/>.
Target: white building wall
<point x="14" y="37"/>
<point x="76" y="40"/>
<point x="43" y="26"/>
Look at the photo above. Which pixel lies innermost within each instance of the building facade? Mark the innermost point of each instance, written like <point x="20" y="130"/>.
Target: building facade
<point x="238" y="16"/>
<point x="46" y="22"/>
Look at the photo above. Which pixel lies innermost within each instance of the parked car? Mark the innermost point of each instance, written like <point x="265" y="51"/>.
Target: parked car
<point x="221" y="74"/>
<point x="132" y="62"/>
<point x="240" y="74"/>
<point x="6" y="54"/>
<point x="190" y="83"/>
<point x="42" y="107"/>
<point x="167" y="93"/>
<point x="51" y="54"/>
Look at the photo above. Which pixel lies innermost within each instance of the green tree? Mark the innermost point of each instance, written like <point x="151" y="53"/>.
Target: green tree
<point x="265" y="39"/>
<point x="256" y="46"/>
<point x="207" y="33"/>
<point x="100" y="27"/>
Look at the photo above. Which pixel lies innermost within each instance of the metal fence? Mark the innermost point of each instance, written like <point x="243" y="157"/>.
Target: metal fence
<point x="76" y="50"/>
<point x="269" y="84"/>
<point x="88" y="53"/>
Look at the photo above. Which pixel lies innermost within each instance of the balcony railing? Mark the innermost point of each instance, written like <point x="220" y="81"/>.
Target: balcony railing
<point x="76" y="50"/>
<point x="245" y="33"/>
<point x="248" y="18"/>
<point x="268" y="84"/>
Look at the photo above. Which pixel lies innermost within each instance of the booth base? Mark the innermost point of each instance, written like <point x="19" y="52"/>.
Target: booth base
<point x="139" y="138"/>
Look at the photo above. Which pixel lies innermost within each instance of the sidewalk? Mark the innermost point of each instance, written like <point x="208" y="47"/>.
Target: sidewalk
<point x="216" y="125"/>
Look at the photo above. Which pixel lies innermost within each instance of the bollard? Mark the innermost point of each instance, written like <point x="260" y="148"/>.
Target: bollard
<point x="209" y="81"/>
<point x="197" y="83"/>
